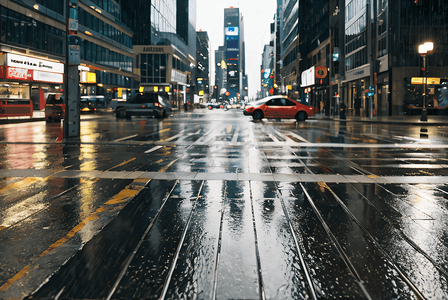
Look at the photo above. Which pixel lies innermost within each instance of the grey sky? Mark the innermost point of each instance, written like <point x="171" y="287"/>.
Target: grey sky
<point x="258" y="15"/>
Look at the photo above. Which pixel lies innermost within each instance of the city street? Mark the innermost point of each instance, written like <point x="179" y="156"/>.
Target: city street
<point x="209" y="204"/>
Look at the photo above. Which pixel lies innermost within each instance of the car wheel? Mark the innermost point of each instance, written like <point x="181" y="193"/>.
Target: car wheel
<point x="120" y="113"/>
<point x="301" y="116"/>
<point x="257" y="115"/>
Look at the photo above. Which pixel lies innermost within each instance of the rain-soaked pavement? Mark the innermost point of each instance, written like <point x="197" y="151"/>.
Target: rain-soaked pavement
<point x="212" y="205"/>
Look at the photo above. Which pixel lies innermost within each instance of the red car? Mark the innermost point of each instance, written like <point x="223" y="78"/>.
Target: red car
<point x="278" y="107"/>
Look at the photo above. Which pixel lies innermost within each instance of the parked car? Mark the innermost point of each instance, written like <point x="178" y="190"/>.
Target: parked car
<point x="54" y="107"/>
<point x="96" y="100"/>
<point x="144" y="104"/>
<point x="278" y="107"/>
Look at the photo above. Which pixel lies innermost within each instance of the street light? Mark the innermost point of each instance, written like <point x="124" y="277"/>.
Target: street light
<point x="423" y="49"/>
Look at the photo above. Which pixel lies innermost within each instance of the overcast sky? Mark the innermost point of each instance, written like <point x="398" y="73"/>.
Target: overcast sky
<point x="257" y="14"/>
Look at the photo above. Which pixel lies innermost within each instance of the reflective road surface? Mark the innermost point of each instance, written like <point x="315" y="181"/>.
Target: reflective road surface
<point x="210" y="204"/>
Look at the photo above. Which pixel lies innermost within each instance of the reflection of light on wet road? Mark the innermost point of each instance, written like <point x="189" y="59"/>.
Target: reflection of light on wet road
<point x="22" y="210"/>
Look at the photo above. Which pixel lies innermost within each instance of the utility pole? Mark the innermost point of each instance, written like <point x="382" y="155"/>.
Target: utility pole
<point x="71" y="128"/>
<point x="371" y="43"/>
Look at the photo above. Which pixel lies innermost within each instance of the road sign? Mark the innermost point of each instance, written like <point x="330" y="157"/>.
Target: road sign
<point x="74" y="54"/>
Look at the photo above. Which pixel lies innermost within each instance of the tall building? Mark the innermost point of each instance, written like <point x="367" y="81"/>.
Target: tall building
<point x="381" y="57"/>
<point x="289" y="26"/>
<point x="314" y="53"/>
<point x="234" y="52"/>
<point x="267" y="71"/>
<point x="34" y="34"/>
<point x="165" y="46"/>
<point x="220" y="87"/>
<point x="203" y="64"/>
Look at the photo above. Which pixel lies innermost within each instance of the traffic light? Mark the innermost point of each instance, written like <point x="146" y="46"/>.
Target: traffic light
<point x="424" y="72"/>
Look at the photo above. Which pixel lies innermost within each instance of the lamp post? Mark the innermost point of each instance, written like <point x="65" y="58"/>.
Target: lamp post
<point x="423" y="49"/>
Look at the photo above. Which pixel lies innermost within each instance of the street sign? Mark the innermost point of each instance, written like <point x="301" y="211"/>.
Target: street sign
<point x="74" y="54"/>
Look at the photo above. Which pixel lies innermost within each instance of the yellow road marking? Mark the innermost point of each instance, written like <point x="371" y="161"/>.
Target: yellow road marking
<point x="164" y="130"/>
<point x="159" y="161"/>
<point x="16" y="277"/>
<point x="168" y="165"/>
<point x="372" y="176"/>
<point x="19" y="185"/>
<point x="122" y="196"/>
<point x="129" y="191"/>
<point x="122" y="164"/>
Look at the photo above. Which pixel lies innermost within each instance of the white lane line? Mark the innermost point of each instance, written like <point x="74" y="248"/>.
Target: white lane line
<point x="297" y="137"/>
<point x="235" y="136"/>
<point x="126" y="138"/>
<point x="174" y="137"/>
<point x="153" y="149"/>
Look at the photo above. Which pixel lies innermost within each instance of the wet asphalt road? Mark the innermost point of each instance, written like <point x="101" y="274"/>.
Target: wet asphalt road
<point x="212" y="205"/>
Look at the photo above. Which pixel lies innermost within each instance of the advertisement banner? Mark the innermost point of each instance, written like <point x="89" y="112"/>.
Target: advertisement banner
<point x="48" y="77"/>
<point x="33" y="63"/>
<point x="18" y="73"/>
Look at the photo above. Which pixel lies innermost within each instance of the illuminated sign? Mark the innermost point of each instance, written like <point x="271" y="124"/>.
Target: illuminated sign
<point x="231" y="31"/>
<point x="321" y="72"/>
<point x="308" y="77"/>
<point x="87" y="77"/>
<point x="266" y="73"/>
<point x="48" y="77"/>
<point x="421" y="80"/>
<point x="18" y="73"/>
<point x="31" y="63"/>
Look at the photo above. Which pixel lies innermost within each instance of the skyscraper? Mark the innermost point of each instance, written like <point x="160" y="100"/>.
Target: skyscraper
<point x="234" y="52"/>
<point x="203" y="64"/>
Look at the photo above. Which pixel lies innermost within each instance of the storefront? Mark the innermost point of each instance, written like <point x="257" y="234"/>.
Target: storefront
<point x="25" y="81"/>
<point x="316" y="89"/>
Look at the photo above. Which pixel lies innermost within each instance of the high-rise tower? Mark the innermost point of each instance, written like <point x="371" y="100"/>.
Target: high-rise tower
<point x="234" y="52"/>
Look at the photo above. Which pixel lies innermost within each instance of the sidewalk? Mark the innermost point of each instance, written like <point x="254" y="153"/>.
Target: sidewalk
<point x="433" y="120"/>
<point x="410" y="120"/>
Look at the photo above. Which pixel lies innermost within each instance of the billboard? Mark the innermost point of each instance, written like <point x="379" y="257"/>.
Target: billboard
<point x="231" y="31"/>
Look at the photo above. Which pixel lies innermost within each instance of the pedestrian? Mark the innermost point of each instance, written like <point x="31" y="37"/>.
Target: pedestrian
<point x="357" y="106"/>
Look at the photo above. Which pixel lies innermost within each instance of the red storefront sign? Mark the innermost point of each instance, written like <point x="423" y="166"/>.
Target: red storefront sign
<point x="15" y="73"/>
<point x="18" y="73"/>
<point x="321" y="72"/>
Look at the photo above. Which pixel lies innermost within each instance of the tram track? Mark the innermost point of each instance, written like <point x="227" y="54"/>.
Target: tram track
<point x="398" y="231"/>
<point x="336" y="244"/>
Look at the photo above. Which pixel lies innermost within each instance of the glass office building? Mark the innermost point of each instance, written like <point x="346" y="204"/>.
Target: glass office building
<point x="387" y="60"/>
<point x="165" y="44"/>
<point x="36" y="30"/>
<point x="234" y="52"/>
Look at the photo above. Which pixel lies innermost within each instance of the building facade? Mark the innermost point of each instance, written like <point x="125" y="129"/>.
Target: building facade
<point x="165" y="46"/>
<point x="34" y="32"/>
<point x="289" y="45"/>
<point x="234" y="52"/>
<point x="220" y="87"/>
<point x="203" y="64"/>
<point x="267" y="71"/>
